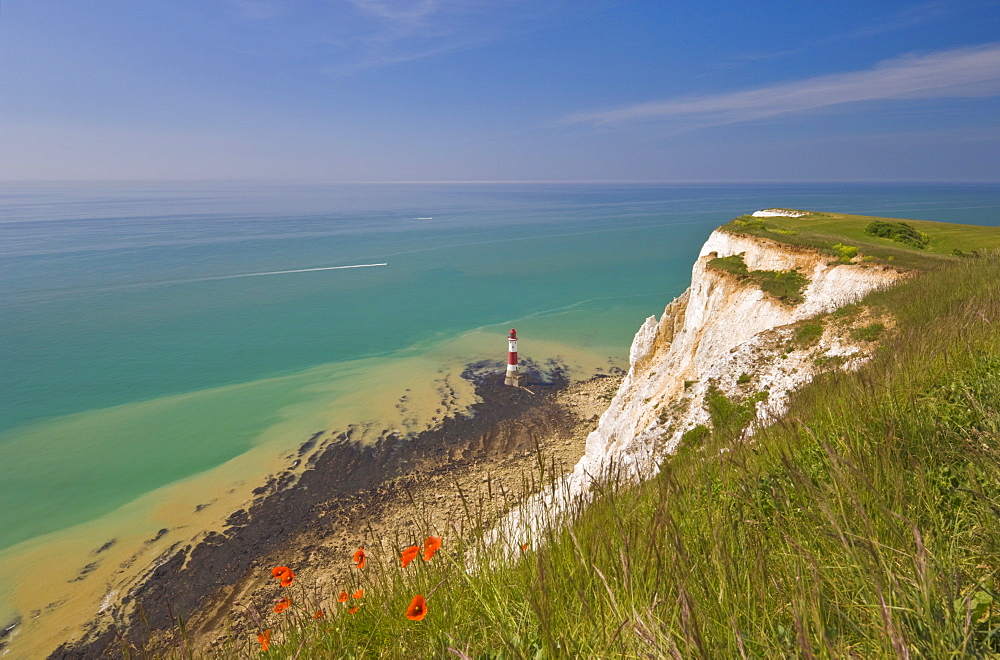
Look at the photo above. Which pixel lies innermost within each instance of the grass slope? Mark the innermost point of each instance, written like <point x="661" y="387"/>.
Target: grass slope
<point x="784" y="285"/>
<point x="826" y="230"/>
<point x="865" y="524"/>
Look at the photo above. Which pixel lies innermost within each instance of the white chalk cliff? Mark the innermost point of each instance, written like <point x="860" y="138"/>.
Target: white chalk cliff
<point x="721" y="328"/>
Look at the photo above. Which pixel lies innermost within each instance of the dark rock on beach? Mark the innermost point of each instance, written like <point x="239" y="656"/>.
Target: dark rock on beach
<point x="203" y="578"/>
<point x="106" y="546"/>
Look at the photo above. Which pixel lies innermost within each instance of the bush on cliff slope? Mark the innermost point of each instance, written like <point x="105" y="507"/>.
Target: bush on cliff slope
<point x="785" y="285"/>
<point x="901" y="232"/>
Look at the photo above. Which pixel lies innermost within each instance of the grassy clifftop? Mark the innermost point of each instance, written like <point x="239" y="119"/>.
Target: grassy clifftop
<point x="945" y="243"/>
<point x="865" y="524"/>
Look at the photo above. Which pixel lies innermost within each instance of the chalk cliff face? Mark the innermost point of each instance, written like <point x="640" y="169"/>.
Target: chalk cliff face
<point x="721" y="328"/>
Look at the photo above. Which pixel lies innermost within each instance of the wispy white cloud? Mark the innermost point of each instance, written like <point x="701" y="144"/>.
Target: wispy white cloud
<point x="908" y="17"/>
<point x="385" y="32"/>
<point x="905" y="18"/>
<point x="762" y="57"/>
<point x="410" y="14"/>
<point x="963" y="72"/>
<point x="389" y="32"/>
<point x="366" y="34"/>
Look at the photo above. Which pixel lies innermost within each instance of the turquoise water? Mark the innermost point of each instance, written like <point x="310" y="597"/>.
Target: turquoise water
<point x="148" y="332"/>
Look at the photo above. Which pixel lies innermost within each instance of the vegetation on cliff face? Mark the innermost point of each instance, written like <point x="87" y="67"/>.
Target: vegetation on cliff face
<point x="785" y="285"/>
<point x="866" y="523"/>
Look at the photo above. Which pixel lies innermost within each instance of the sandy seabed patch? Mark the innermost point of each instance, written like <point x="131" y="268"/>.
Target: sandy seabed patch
<point x="93" y="571"/>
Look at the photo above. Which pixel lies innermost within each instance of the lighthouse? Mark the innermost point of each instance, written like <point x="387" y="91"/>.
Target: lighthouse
<point x="512" y="377"/>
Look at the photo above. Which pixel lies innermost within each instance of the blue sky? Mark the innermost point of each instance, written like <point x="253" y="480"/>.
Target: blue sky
<point x="421" y="90"/>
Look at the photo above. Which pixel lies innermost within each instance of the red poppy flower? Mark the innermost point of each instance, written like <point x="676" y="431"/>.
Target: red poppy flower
<point x="319" y="614"/>
<point x="524" y="548"/>
<point x="284" y="574"/>
<point x="359" y="593"/>
<point x="342" y="598"/>
<point x="359" y="558"/>
<point x="287" y="578"/>
<point x="352" y="610"/>
<point x="431" y="545"/>
<point x="417" y="609"/>
<point x="409" y="555"/>
<point x="265" y="639"/>
<point x="282" y="605"/>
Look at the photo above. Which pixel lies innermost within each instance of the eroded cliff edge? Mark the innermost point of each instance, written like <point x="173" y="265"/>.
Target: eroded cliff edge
<point x="723" y="335"/>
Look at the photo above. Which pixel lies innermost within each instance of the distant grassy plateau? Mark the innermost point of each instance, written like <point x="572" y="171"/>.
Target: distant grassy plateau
<point x="837" y="233"/>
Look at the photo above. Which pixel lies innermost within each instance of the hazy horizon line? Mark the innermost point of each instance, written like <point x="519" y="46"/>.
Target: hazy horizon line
<point x="278" y="180"/>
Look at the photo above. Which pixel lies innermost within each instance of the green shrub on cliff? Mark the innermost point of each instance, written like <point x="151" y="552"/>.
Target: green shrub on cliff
<point x="731" y="415"/>
<point x="693" y="438"/>
<point x="808" y="334"/>
<point x="732" y="264"/>
<point x="846" y="253"/>
<point x="901" y="232"/>
<point x="785" y="285"/>
<point x="750" y="221"/>
<point x="870" y="332"/>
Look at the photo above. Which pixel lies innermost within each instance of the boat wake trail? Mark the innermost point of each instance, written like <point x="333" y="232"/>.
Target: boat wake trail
<point x="51" y="294"/>
<point x="274" y="272"/>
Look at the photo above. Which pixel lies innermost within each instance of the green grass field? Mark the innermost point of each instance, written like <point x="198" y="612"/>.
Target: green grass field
<point x="825" y="230"/>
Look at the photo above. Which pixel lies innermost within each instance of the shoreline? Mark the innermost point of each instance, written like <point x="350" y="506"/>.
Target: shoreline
<point x="304" y="518"/>
<point x="77" y="574"/>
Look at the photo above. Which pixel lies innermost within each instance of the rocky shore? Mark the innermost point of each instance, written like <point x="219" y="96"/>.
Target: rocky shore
<point x="339" y="494"/>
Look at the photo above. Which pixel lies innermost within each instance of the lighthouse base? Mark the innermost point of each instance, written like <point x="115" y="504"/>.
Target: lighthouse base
<point x="514" y="379"/>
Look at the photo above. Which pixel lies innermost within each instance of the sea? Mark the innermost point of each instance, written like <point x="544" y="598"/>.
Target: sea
<point x="165" y="346"/>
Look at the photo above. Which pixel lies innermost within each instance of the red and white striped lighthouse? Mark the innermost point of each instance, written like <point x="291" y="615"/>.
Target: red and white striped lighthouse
<point x="512" y="377"/>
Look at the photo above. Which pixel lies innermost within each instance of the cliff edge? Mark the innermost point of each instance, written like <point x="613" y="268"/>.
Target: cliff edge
<point x="724" y="335"/>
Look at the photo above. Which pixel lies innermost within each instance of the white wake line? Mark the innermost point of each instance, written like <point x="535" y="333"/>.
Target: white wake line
<point x="233" y="277"/>
<point x="284" y="272"/>
<point x="56" y="293"/>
